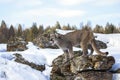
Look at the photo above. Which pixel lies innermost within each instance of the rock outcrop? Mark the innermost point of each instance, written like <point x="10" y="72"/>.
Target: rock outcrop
<point x="43" y="41"/>
<point x="94" y="67"/>
<point x="20" y="59"/>
<point x="18" y="44"/>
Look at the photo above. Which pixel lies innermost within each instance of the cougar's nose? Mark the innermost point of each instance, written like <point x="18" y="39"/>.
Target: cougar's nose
<point x="51" y="41"/>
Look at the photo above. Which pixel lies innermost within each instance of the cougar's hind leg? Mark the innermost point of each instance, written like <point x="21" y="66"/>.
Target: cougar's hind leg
<point x="91" y="49"/>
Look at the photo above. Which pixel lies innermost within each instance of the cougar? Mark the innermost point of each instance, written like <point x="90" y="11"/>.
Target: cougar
<point x="78" y="37"/>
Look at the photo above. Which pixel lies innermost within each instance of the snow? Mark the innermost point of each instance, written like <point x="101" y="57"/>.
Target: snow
<point x="63" y="31"/>
<point x="11" y="70"/>
<point x="112" y="39"/>
<point x="3" y="47"/>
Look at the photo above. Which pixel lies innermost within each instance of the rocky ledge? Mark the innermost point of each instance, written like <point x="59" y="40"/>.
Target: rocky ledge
<point x="94" y="67"/>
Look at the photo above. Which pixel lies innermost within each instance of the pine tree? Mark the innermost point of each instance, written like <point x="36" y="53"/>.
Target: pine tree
<point x="47" y="30"/>
<point x="74" y="28"/>
<point x="41" y="29"/>
<point x="19" y="31"/>
<point x="98" y="29"/>
<point x="109" y="28"/>
<point x="4" y="32"/>
<point x="11" y="33"/>
<point x="34" y="30"/>
<point x="27" y="34"/>
<point x="57" y="25"/>
<point x="68" y="27"/>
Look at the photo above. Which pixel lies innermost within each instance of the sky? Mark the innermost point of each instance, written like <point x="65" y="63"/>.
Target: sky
<point x="48" y="12"/>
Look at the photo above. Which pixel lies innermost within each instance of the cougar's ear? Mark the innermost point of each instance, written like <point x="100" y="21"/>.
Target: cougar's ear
<point x="58" y="35"/>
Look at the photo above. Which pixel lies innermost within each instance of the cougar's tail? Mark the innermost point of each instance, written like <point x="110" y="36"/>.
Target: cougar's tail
<point x="94" y="46"/>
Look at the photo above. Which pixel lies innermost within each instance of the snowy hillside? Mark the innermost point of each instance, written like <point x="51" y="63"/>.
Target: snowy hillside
<point x="11" y="70"/>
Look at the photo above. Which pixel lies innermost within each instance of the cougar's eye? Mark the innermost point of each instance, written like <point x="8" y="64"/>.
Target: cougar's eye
<point x="59" y="37"/>
<point x="51" y="39"/>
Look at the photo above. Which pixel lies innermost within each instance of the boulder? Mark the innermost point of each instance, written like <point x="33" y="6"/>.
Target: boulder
<point x="101" y="45"/>
<point x="94" y="67"/>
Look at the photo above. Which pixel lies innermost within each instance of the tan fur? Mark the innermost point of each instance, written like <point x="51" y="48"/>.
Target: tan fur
<point x="78" y="37"/>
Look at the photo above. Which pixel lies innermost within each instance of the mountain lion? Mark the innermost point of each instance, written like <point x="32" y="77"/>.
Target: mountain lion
<point x="78" y="37"/>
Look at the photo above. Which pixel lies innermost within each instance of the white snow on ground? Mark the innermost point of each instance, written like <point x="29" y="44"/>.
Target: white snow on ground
<point x="11" y="70"/>
<point x="112" y="39"/>
<point x="3" y="47"/>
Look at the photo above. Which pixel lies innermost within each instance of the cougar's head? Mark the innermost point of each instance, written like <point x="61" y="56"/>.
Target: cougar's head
<point x="55" y="36"/>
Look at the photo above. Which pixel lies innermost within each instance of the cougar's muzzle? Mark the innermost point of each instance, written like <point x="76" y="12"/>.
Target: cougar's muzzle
<point x="51" y="40"/>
